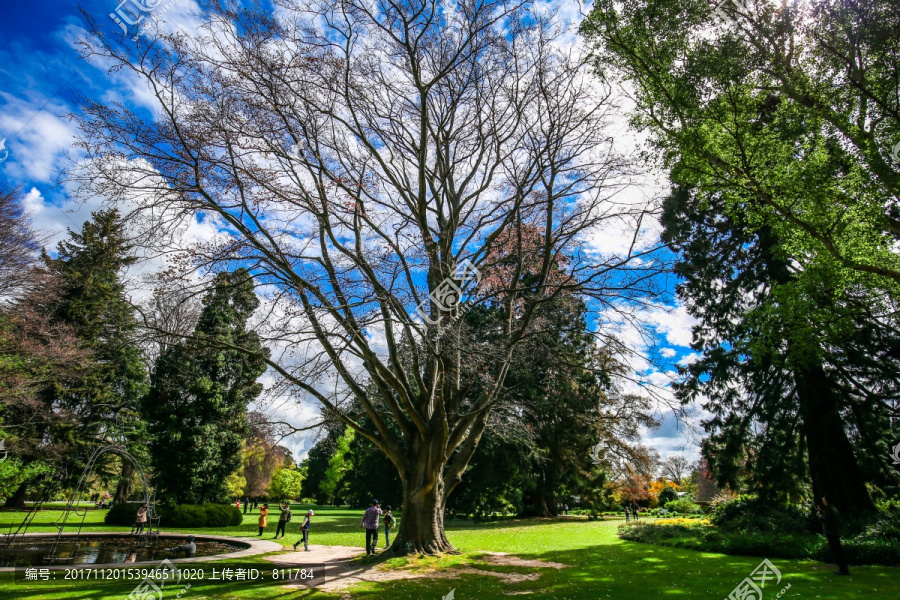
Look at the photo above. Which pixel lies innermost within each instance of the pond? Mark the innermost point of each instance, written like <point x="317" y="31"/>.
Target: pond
<point x="104" y="549"/>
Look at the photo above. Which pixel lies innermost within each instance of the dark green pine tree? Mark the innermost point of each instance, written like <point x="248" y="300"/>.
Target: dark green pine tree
<point x="767" y="357"/>
<point x="92" y="304"/>
<point x="196" y="408"/>
<point x="560" y="403"/>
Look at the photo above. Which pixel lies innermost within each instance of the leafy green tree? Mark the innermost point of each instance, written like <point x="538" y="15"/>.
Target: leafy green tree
<point x="316" y="463"/>
<point x="371" y="475"/>
<point x="235" y="485"/>
<point x="560" y="403"/>
<point x="667" y="494"/>
<point x="286" y="484"/>
<point x="596" y="495"/>
<point x="339" y="463"/>
<point x="261" y="456"/>
<point x="196" y="408"/>
<point x="784" y="214"/>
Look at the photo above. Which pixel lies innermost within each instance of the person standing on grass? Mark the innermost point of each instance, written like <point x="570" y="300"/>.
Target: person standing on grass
<point x="246" y="504"/>
<point x="140" y="520"/>
<point x="370" y="524"/>
<point x="304" y="531"/>
<point x="284" y="519"/>
<point x="831" y="527"/>
<point x="263" y="513"/>
<point x="627" y="515"/>
<point x="389" y="521"/>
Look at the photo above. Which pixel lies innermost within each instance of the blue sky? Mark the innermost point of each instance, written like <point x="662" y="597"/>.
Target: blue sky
<point x="43" y="79"/>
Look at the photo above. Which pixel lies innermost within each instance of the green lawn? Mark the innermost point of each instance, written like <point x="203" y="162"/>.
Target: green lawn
<point x="599" y="566"/>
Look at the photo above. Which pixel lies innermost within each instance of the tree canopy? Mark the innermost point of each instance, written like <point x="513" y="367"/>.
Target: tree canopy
<point x="784" y="217"/>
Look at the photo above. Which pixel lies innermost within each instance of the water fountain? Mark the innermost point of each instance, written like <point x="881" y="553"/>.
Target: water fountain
<point x="68" y="546"/>
<point x="73" y="510"/>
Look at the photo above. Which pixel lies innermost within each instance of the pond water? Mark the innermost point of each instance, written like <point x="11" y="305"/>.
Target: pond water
<point x="103" y="549"/>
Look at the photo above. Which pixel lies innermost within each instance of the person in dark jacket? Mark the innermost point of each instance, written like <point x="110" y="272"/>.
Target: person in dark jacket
<point x="389" y="521"/>
<point x="831" y="527"/>
<point x="284" y="519"/>
<point x="304" y="531"/>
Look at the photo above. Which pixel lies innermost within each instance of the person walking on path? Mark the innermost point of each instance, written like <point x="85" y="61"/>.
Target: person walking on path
<point x="140" y="520"/>
<point x="370" y="524"/>
<point x="389" y="521"/>
<point x="263" y="513"/>
<point x="304" y="531"/>
<point x="831" y="526"/>
<point x="627" y="515"/>
<point x="284" y="519"/>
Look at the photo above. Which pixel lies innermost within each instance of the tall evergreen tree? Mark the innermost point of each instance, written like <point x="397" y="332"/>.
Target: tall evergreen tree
<point x="562" y="402"/>
<point x="196" y="408"/>
<point x="784" y="215"/>
<point x="92" y="303"/>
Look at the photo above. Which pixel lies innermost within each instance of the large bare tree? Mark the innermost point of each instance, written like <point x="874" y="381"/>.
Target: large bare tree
<point x="355" y="155"/>
<point x="675" y="468"/>
<point x="20" y="244"/>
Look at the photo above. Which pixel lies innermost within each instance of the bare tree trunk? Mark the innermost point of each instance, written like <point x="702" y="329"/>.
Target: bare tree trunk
<point x="832" y="464"/>
<point x="545" y="510"/>
<point x="17" y="500"/>
<point x="422" y="523"/>
<point x="123" y="489"/>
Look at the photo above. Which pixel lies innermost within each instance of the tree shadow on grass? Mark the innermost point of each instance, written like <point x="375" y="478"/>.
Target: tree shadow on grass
<point x="627" y="571"/>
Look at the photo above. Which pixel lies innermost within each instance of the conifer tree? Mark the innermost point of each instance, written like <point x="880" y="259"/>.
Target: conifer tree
<point x="196" y="408"/>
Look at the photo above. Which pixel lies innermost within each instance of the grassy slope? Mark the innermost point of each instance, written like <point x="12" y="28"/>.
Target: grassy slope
<point x="600" y="566"/>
